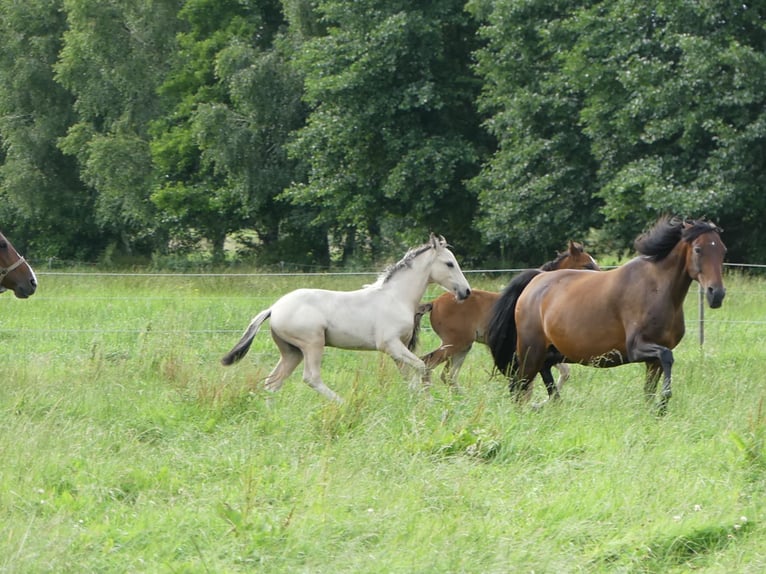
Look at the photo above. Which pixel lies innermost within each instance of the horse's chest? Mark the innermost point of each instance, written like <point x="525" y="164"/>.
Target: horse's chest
<point x="665" y="326"/>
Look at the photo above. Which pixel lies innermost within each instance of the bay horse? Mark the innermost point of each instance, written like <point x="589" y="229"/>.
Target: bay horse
<point x="461" y="323"/>
<point x="378" y="316"/>
<point x="15" y="273"/>
<point x="630" y="314"/>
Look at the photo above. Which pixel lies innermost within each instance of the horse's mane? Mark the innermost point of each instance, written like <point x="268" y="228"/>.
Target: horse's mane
<point x="660" y="240"/>
<point x="556" y="263"/>
<point x="403" y="263"/>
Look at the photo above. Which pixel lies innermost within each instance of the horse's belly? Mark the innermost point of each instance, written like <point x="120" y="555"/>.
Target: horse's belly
<point x="602" y="346"/>
<point x="343" y="339"/>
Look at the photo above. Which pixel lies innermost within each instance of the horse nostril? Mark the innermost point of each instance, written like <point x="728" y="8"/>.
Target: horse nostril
<point x="715" y="296"/>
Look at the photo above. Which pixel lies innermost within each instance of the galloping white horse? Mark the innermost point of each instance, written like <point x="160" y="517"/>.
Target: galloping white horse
<point x="379" y="316"/>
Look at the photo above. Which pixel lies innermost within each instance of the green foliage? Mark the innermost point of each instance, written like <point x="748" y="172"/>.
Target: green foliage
<point x="43" y="202"/>
<point x="658" y="135"/>
<point x="538" y="190"/>
<point x="112" y="60"/>
<point x="752" y="444"/>
<point x="337" y="132"/>
<point x="392" y="133"/>
<point x="235" y="100"/>
<point x="611" y="114"/>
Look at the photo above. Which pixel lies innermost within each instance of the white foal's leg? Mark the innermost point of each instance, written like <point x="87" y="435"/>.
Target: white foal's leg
<point x="404" y="357"/>
<point x="312" y="356"/>
<point x="563" y="375"/>
<point x="290" y="357"/>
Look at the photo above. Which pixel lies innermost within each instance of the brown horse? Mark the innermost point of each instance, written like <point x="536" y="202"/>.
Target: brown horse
<point x="630" y="314"/>
<point x="15" y="272"/>
<point x="460" y="324"/>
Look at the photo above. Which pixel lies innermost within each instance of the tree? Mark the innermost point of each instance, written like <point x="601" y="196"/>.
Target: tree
<point x="619" y="112"/>
<point x="113" y="60"/>
<point x="539" y="188"/>
<point x="221" y="152"/>
<point x="675" y="107"/>
<point x="45" y="207"/>
<point x="393" y="132"/>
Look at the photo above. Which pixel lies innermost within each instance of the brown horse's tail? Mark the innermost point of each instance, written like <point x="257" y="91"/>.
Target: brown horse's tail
<point x="501" y="331"/>
<point x="243" y="346"/>
<point x="423" y="308"/>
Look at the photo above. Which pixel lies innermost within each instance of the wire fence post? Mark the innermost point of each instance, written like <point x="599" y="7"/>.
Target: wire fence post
<point x="701" y="304"/>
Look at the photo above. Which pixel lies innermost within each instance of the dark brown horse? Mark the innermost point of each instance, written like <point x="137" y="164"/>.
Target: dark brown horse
<point x="461" y="323"/>
<point x="630" y="314"/>
<point x="15" y="272"/>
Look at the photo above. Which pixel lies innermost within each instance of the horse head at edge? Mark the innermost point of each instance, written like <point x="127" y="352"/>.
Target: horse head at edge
<point x="15" y="273"/>
<point x="704" y="259"/>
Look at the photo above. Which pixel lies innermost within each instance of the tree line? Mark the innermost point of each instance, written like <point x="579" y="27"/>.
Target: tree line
<point x="332" y="132"/>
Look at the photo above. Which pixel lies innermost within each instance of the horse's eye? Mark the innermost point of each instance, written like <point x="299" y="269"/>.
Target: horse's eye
<point x="450" y="264"/>
<point x="3" y="245"/>
<point x="697" y="249"/>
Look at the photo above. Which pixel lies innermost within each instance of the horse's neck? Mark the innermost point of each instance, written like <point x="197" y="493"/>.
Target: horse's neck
<point x="675" y="265"/>
<point x="410" y="285"/>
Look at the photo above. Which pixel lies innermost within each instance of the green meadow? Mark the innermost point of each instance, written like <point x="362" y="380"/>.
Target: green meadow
<point x="126" y="447"/>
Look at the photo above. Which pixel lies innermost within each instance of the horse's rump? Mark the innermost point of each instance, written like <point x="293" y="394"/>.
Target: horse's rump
<point x="501" y="330"/>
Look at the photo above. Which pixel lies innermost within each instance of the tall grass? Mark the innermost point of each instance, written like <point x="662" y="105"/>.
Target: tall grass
<point x="126" y="447"/>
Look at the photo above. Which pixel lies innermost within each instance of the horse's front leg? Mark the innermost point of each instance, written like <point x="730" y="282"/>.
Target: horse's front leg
<point x="404" y="357"/>
<point x="666" y="360"/>
<point x="653" y="373"/>
<point x="659" y="357"/>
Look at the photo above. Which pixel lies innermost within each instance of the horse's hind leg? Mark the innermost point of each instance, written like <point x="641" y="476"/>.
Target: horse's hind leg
<point x="524" y="369"/>
<point x="433" y="360"/>
<point x="312" y="375"/>
<point x="564" y="370"/>
<point x="290" y="357"/>
<point x="452" y="368"/>
<point x="550" y="384"/>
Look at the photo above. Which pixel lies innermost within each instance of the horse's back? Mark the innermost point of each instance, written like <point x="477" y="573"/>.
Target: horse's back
<point x="312" y="308"/>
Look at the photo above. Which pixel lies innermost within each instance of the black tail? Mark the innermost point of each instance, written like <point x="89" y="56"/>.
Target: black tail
<point x="241" y="348"/>
<point x="501" y="332"/>
<point x="422" y="310"/>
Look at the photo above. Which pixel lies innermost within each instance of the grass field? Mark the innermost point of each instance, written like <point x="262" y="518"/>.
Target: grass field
<point x="126" y="447"/>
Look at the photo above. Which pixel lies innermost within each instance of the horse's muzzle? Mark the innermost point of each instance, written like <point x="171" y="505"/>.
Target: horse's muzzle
<point x="26" y="289"/>
<point x="461" y="295"/>
<point x="715" y="296"/>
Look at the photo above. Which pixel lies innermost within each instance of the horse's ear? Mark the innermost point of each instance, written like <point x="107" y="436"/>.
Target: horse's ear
<point x="437" y="241"/>
<point x="575" y="248"/>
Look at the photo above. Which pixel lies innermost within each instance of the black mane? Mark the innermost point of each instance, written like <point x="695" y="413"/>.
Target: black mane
<point x="660" y="240"/>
